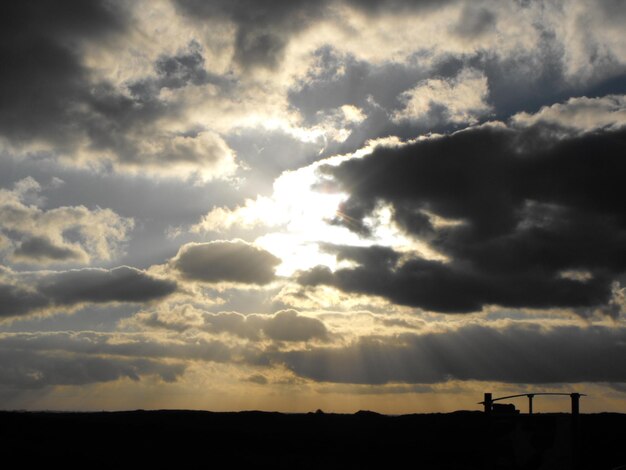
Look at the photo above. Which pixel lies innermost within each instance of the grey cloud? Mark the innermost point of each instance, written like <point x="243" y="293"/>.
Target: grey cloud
<point x="514" y="354"/>
<point x="114" y="344"/>
<point x="50" y="96"/>
<point x="187" y="67"/>
<point x="530" y="206"/>
<point x="395" y="6"/>
<point x="177" y="71"/>
<point x="42" y="249"/>
<point x="78" y="116"/>
<point x="265" y="27"/>
<point x="474" y="21"/>
<point x="154" y="204"/>
<point x="336" y="79"/>
<point x="315" y="276"/>
<point x="122" y="284"/>
<point x="225" y="261"/>
<point x="244" y="326"/>
<point x="284" y="325"/>
<point x="268" y="154"/>
<point x="264" y="48"/>
<point x="15" y="301"/>
<point x="42" y="74"/>
<point x="27" y="370"/>
<point x="257" y="379"/>
<point x="35" y="360"/>
<point x="516" y="80"/>
<point x="454" y="288"/>
<point x="367" y="389"/>
<point x="73" y="287"/>
<point x="287" y="325"/>
<point x="58" y="234"/>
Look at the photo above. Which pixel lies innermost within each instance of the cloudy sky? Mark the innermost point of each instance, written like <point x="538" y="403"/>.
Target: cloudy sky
<point x="288" y="205"/>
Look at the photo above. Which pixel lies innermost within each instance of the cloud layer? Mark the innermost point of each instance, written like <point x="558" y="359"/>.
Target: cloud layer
<point x="249" y="202"/>
<point x="21" y="294"/>
<point x="514" y="354"/>
<point x="284" y="325"/>
<point x="225" y="261"/>
<point x="512" y="210"/>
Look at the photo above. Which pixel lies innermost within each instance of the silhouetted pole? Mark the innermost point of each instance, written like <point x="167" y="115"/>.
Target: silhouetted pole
<point x="487" y="403"/>
<point x="575" y="404"/>
<point x="530" y="403"/>
<point x="576" y="454"/>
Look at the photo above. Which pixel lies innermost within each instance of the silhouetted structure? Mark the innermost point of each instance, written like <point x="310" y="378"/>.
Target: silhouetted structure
<point x="509" y="409"/>
<point x="504" y="408"/>
<point x="488" y="400"/>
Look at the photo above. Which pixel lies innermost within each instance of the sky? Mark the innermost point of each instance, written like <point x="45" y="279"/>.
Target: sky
<point x="392" y="205"/>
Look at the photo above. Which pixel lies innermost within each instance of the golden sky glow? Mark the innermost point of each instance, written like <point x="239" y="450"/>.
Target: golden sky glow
<point x="345" y="205"/>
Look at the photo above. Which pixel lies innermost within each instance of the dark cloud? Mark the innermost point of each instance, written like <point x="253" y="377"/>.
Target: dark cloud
<point x="285" y="325"/>
<point x="36" y="360"/>
<point x="257" y="379"/>
<point x="231" y="261"/>
<point x="520" y="81"/>
<point x="118" y="345"/>
<point x="88" y="285"/>
<point x="244" y="326"/>
<point x="317" y="275"/>
<point x="264" y="27"/>
<point x="288" y="325"/>
<point x="15" y="301"/>
<point x="514" y="354"/>
<point x="42" y="249"/>
<point x="187" y="67"/>
<point x="396" y="6"/>
<point x="528" y="207"/>
<point x="474" y="22"/>
<point x="178" y="71"/>
<point x="30" y="370"/>
<point x="48" y="94"/>
<point x="336" y="79"/>
<point x="42" y="77"/>
<point x="123" y="284"/>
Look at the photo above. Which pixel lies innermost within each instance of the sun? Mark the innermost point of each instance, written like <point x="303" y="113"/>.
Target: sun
<point x="302" y="216"/>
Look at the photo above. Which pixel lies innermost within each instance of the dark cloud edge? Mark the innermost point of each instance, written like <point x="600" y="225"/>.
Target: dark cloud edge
<point x="534" y="204"/>
<point x="53" y="291"/>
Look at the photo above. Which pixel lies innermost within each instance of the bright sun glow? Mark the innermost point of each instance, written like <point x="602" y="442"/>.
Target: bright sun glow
<point x="302" y="214"/>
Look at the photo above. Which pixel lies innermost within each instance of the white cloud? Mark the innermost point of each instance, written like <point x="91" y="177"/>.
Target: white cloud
<point x="205" y="155"/>
<point x="580" y="114"/>
<point x="61" y="234"/>
<point x="462" y="99"/>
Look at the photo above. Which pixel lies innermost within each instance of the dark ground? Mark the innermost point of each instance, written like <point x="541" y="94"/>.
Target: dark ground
<point x="193" y="439"/>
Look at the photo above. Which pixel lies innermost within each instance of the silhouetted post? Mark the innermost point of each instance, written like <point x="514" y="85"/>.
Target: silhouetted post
<point x="487" y="402"/>
<point x="530" y="403"/>
<point x="576" y="453"/>
<point x="575" y="404"/>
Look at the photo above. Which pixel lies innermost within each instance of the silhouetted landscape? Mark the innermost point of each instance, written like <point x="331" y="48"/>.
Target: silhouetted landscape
<point x="196" y="439"/>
